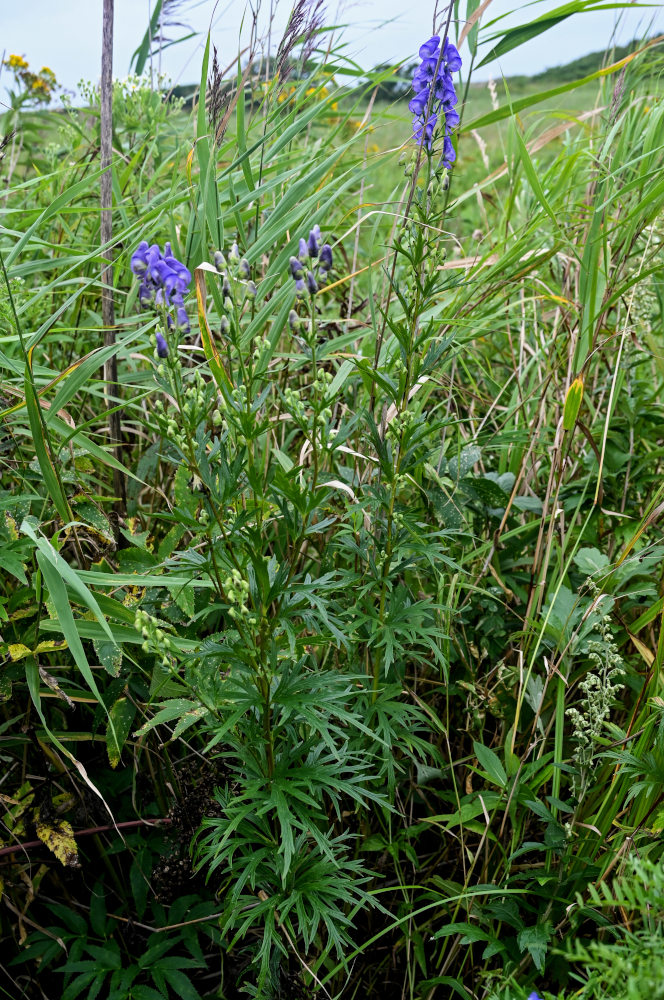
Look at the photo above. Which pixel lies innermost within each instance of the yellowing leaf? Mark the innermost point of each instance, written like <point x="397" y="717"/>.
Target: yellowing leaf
<point x="59" y="838"/>
<point x="17" y="651"/>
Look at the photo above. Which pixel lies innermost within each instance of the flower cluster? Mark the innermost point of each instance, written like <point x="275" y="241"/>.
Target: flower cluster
<point x="310" y="252"/>
<point x="164" y="280"/>
<point x="435" y="95"/>
<point x="37" y="86"/>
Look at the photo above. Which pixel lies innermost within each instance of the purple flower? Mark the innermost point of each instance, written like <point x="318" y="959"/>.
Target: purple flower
<point x="182" y="319"/>
<point x="162" y="346"/>
<point x="449" y="152"/>
<point x="303" y="252"/>
<point x="418" y="104"/>
<point x="451" y="57"/>
<point x="164" y="280"/>
<point x="425" y="74"/>
<point x="534" y="996"/>
<point x="311" y="283"/>
<point x="423" y="131"/>
<point x="430" y="48"/>
<point x="139" y="263"/>
<point x="451" y="119"/>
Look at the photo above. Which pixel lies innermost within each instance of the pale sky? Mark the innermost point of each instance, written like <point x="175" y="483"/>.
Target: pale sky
<point x="66" y="34"/>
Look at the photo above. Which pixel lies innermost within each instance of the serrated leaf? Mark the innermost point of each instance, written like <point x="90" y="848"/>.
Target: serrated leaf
<point x="535" y="940"/>
<point x="121" y="717"/>
<point x="590" y="561"/>
<point x="110" y="655"/>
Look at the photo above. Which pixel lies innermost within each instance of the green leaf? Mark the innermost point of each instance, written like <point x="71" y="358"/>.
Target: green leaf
<point x="181" y="984"/>
<point x="142" y="53"/>
<point x="43" y="451"/>
<point x="590" y="561"/>
<point x="535" y="940"/>
<point x="491" y="763"/>
<point x="120" y="719"/>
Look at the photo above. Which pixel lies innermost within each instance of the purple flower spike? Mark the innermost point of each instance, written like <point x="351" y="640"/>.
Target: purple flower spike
<point x="162" y="346"/>
<point x="434" y="92"/>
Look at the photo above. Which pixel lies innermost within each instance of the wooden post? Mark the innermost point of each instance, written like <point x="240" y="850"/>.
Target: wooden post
<point x="107" y="307"/>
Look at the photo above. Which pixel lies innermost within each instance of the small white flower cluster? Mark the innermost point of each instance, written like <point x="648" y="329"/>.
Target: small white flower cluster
<point x="600" y="687"/>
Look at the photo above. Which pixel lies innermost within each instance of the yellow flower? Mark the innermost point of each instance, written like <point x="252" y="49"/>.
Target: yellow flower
<point x="16" y="62"/>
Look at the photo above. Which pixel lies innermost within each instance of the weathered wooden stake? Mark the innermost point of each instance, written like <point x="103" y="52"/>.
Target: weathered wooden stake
<point x="107" y="308"/>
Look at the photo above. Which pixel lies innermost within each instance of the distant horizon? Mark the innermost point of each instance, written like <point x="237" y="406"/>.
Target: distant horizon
<point x="35" y="30"/>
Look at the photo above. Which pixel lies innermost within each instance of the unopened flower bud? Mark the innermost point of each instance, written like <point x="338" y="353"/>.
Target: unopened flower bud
<point x="243" y="268"/>
<point x="295" y="268"/>
<point x="312" y="285"/>
<point x="162" y="346"/>
<point x="326" y="256"/>
<point x="219" y="260"/>
<point x="312" y="245"/>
